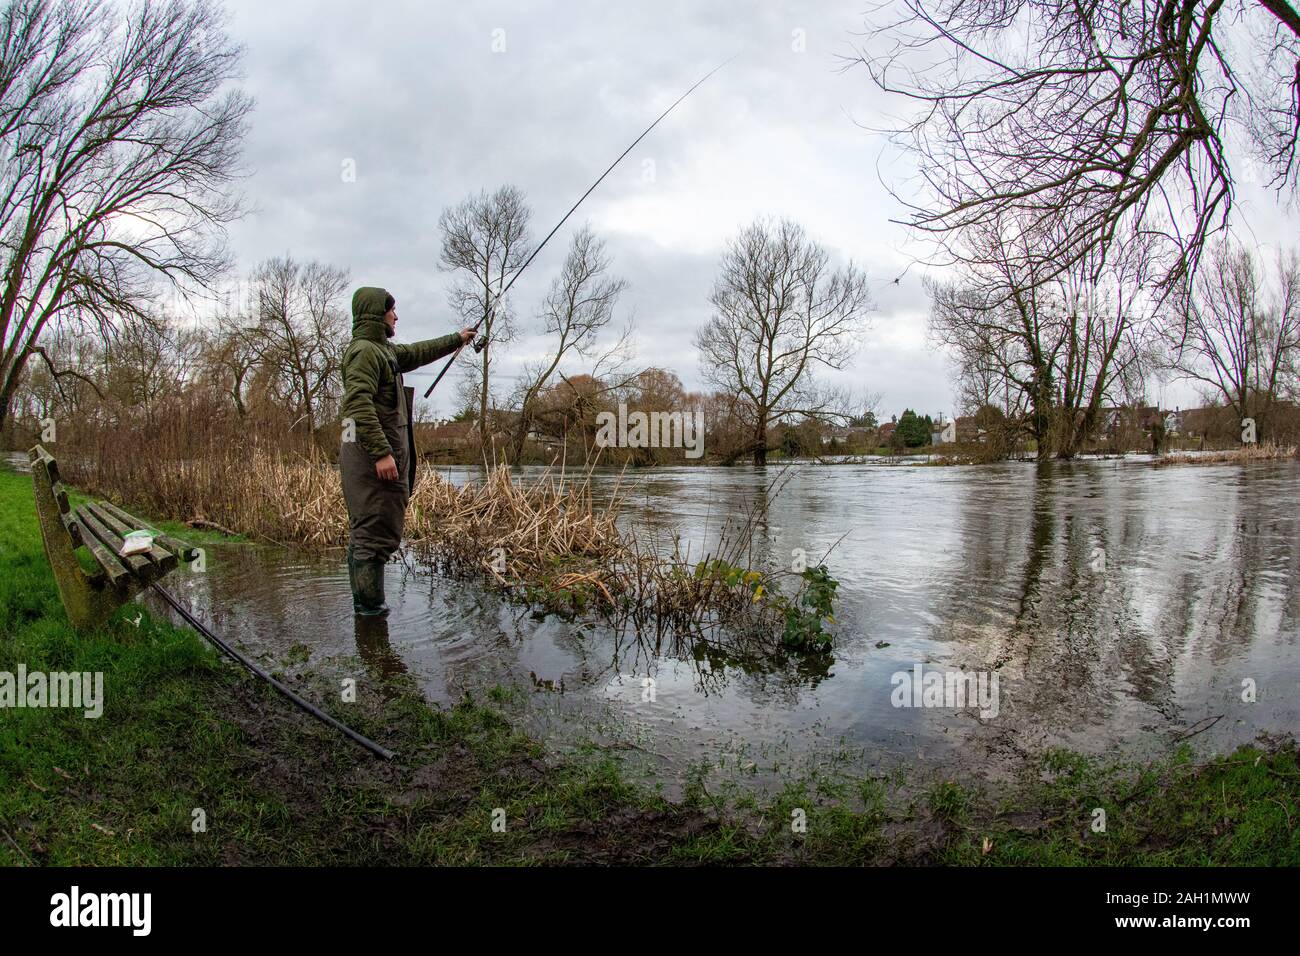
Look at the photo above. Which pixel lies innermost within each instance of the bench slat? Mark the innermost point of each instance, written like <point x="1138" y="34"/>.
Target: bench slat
<point x="74" y="529"/>
<point x="138" y="563"/>
<point x="164" y="559"/>
<point x="41" y="454"/>
<point x="182" y="550"/>
<point x="117" y="572"/>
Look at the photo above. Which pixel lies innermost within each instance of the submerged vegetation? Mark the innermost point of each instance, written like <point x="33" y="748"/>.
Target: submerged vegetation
<point x="548" y="543"/>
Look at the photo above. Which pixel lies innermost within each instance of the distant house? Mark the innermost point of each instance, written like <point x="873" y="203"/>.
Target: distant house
<point x="841" y="435"/>
<point x="946" y="434"/>
<point x="966" y="430"/>
<point x="438" y="437"/>
<point x="887" y="432"/>
<point x="1140" y="417"/>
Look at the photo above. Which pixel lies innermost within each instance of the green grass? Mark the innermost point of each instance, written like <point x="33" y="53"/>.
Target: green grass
<point x="182" y="730"/>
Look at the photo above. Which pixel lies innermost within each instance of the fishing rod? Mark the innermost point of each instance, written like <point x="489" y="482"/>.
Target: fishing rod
<point x="227" y="649"/>
<point x="479" y="346"/>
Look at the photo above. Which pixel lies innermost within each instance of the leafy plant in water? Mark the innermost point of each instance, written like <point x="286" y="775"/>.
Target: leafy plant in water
<point x="803" y="619"/>
<point x="803" y="616"/>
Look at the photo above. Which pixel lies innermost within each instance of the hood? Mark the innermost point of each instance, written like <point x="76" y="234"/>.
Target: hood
<point x="368" y="306"/>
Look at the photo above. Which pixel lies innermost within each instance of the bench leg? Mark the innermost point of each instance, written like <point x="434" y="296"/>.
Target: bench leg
<point x="86" y="603"/>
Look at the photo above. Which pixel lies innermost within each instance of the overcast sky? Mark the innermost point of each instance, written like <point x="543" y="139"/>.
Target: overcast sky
<point x="422" y="98"/>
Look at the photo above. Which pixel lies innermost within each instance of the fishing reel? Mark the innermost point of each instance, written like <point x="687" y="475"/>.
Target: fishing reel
<point x="480" y="343"/>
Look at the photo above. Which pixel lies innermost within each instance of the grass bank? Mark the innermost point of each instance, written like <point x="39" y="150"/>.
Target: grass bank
<point x="182" y="731"/>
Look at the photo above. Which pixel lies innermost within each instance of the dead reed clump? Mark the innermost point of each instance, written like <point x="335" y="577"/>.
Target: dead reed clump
<point x="547" y="543"/>
<point x="1264" y="451"/>
<point x="254" y="490"/>
<point x="548" y="530"/>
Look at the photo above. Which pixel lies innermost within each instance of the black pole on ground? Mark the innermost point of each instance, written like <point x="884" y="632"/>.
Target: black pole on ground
<point x="235" y="655"/>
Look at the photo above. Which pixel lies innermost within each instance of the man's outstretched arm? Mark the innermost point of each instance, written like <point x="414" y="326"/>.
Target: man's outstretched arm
<point x="411" y="357"/>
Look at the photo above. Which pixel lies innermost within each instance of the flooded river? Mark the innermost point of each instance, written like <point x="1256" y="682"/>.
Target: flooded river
<point x="1121" y="607"/>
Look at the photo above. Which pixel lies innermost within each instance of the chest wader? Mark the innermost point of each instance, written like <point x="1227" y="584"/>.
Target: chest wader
<point x="376" y="506"/>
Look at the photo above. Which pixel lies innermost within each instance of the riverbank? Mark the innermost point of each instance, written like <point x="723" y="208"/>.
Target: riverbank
<point x="182" y="732"/>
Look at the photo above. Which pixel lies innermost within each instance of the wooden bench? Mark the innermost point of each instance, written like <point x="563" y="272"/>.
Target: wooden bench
<point x="101" y="528"/>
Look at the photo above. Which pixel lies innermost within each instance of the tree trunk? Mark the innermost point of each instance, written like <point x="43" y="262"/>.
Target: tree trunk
<point x="517" y="441"/>
<point x="760" y="442"/>
<point x="6" y="400"/>
<point x="1041" y="416"/>
<point x="484" y="431"/>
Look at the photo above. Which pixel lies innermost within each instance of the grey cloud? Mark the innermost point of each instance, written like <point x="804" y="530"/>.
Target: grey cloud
<point x="413" y="93"/>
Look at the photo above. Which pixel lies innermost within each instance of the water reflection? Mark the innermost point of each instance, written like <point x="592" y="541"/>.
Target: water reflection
<point x="376" y="650"/>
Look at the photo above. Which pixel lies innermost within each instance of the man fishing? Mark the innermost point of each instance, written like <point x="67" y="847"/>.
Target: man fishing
<point x="377" y="456"/>
<point x="377" y="461"/>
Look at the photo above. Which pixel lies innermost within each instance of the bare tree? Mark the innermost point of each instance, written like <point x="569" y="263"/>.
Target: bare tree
<point x="728" y="435"/>
<point x="1239" y="333"/>
<point x="469" y="392"/>
<point x="567" y="410"/>
<point x="780" y="311"/>
<point x="484" y="240"/>
<point x="652" y="390"/>
<point x="578" y="308"/>
<point x="64" y="387"/>
<point x="1059" y="347"/>
<point x="142" y="364"/>
<point x="118" y="145"/>
<point x="230" y="357"/>
<point x="300" y="332"/>
<point x="133" y="377"/>
<point x="981" y="376"/>
<point x="1089" y="118"/>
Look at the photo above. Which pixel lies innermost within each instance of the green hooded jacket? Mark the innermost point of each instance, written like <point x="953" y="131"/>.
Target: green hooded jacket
<point x="371" y="365"/>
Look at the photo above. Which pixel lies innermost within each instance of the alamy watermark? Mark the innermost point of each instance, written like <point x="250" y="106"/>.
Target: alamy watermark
<point x="651" y="430"/>
<point x="954" y="690"/>
<point x="75" y="908"/>
<point x="80" y="690"/>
